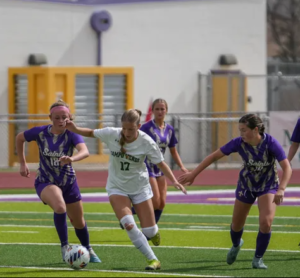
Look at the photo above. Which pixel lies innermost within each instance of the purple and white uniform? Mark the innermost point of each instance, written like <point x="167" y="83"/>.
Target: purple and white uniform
<point x="51" y="148"/>
<point x="258" y="175"/>
<point x="296" y="133"/>
<point x="164" y="138"/>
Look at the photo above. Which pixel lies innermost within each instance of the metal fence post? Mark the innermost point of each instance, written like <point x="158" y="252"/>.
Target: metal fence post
<point x="173" y="123"/>
<point x="217" y="143"/>
<point x="116" y="120"/>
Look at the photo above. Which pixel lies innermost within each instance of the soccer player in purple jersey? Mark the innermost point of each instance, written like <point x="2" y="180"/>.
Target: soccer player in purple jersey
<point x="295" y="140"/>
<point x="55" y="181"/>
<point x="258" y="179"/>
<point x="164" y="136"/>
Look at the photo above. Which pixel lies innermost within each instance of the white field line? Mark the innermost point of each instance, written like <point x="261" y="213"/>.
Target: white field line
<point x="192" y="228"/>
<point x="112" y="271"/>
<point x="131" y="246"/>
<point x="286" y="200"/>
<point x="165" y="214"/>
<point x="170" y="193"/>
<point x="104" y="194"/>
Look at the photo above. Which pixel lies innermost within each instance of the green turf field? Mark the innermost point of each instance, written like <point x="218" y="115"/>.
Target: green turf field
<point x="195" y="241"/>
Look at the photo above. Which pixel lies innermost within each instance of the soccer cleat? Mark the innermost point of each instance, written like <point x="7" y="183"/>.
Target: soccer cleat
<point x="153" y="265"/>
<point x="233" y="252"/>
<point x="63" y="251"/>
<point x="93" y="257"/>
<point x="156" y="239"/>
<point x="258" y="263"/>
<point x="121" y="226"/>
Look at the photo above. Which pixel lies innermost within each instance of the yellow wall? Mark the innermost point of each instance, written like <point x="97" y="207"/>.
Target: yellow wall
<point x="224" y="100"/>
<point x="46" y="85"/>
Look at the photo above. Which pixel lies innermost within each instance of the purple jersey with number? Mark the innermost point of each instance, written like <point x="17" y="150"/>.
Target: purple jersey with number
<point x="296" y="134"/>
<point x="51" y="148"/>
<point x="164" y="138"/>
<point x="259" y="171"/>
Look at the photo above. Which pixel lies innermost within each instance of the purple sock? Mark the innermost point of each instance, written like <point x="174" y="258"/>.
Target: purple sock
<point x="262" y="243"/>
<point x="60" y="222"/>
<point x="133" y="210"/>
<point x="236" y="237"/>
<point x="83" y="236"/>
<point x="158" y="213"/>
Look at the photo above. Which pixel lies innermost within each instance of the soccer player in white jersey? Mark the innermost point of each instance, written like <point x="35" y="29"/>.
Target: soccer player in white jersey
<point x="128" y="179"/>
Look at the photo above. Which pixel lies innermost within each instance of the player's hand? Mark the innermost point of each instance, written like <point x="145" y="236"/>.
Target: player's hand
<point x="278" y="198"/>
<point x="184" y="170"/>
<point x="180" y="187"/>
<point x="70" y="125"/>
<point x="24" y="171"/>
<point x="65" y="160"/>
<point x="186" y="179"/>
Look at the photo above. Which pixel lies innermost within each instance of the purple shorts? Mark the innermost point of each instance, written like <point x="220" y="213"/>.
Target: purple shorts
<point x="71" y="193"/>
<point x="248" y="197"/>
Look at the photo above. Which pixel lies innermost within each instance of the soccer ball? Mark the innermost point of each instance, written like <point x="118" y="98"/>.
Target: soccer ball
<point x="77" y="257"/>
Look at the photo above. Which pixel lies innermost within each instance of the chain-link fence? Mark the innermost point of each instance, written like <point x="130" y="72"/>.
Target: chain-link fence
<point x="198" y="135"/>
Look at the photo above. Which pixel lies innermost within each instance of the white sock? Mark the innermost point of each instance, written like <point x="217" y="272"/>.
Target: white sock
<point x="150" y="232"/>
<point x="137" y="237"/>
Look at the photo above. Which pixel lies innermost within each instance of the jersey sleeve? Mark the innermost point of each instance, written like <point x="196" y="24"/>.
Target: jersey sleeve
<point x="32" y="134"/>
<point x="296" y="133"/>
<point x="154" y="154"/>
<point x="77" y="139"/>
<point x="277" y="150"/>
<point x="103" y="134"/>
<point x="231" y="147"/>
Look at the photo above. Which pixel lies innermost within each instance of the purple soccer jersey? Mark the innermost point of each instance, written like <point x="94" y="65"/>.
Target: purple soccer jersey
<point x="296" y="133"/>
<point x="51" y="148"/>
<point x="164" y="138"/>
<point x="259" y="171"/>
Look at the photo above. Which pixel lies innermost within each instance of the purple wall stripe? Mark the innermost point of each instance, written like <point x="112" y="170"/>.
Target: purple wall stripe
<point x="102" y="2"/>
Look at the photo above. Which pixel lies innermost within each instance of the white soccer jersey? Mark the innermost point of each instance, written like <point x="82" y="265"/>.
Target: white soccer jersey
<point x="128" y="172"/>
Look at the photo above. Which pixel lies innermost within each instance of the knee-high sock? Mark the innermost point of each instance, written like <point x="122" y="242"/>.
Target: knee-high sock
<point x="158" y="213"/>
<point x="60" y="222"/>
<point x="133" y="210"/>
<point x="262" y="243"/>
<point x="83" y="236"/>
<point x="236" y="237"/>
<point x="137" y="237"/>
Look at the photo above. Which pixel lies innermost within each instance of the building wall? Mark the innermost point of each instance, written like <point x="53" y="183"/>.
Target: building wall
<point x="167" y="43"/>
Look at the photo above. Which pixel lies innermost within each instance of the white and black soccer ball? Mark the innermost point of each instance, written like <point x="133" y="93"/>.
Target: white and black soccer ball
<point x="77" y="257"/>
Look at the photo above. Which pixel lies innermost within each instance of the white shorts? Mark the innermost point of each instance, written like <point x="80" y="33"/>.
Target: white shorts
<point x="136" y="199"/>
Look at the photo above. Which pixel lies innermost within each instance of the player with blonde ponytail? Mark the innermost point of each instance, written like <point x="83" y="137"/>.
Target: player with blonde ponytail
<point x="128" y="178"/>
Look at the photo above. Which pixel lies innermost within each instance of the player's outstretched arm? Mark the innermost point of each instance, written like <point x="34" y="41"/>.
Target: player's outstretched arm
<point x="292" y="151"/>
<point x="163" y="166"/>
<point x="86" y="132"/>
<point x="20" y="147"/>
<point x="188" y="178"/>
<point x="82" y="153"/>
